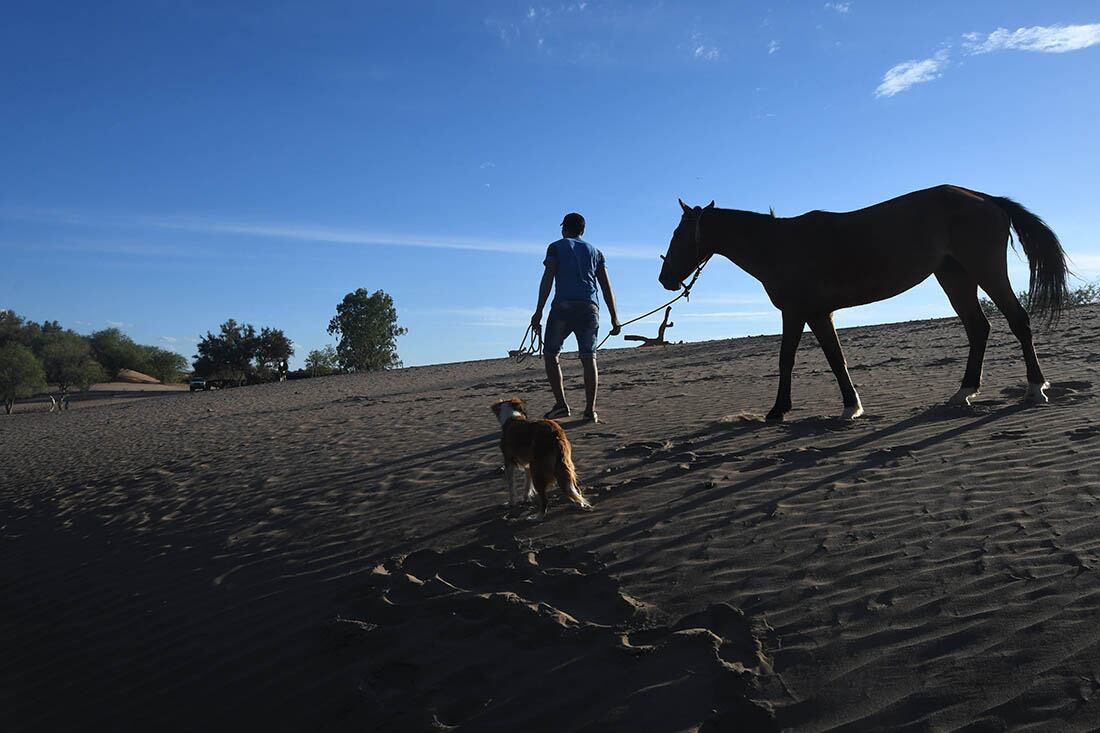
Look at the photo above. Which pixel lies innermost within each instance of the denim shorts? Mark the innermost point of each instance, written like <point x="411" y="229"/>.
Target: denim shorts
<point x="579" y="317"/>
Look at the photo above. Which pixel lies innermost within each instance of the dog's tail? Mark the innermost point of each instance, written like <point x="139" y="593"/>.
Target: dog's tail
<point x="564" y="471"/>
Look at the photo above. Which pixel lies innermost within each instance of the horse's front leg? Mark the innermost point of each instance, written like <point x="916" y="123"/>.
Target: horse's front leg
<point x="823" y="329"/>
<point x="792" y="334"/>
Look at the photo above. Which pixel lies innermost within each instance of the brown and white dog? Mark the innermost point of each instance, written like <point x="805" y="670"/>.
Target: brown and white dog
<point x="540" y="447"/>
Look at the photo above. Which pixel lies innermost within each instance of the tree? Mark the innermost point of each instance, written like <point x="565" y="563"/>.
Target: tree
<point x="322" y="362"/>
<point x="239" y="354"/>
<point x="1087" y="294"/>
<point x="165" y="365"/>
<point x="15" y="329"/>
<point x="68" y="361"/>
<point x="116" y="351"/>
<point x="272" y="350"/>
<point x="368" y="331"/>
<point x="228" y="354"/>
<point x="12" y="328"/>
<point x="21" y="374"/>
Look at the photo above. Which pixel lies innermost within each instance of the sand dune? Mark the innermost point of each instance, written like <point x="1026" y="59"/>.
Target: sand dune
<point x="331" y="554"/>
<point x="130" y="376"/>
<point x="99" y="395"/>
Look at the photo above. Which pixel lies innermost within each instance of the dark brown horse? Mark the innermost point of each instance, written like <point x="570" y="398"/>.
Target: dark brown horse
<point x="814" y="264"/>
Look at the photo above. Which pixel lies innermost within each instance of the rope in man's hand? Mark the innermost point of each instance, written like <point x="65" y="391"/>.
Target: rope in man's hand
<point x="531" y="345"/>
<point x="685" y="294"/>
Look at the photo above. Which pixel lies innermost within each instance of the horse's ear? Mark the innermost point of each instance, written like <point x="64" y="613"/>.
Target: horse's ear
<point x="709" y="206"/>
<point x="684" y="206"/>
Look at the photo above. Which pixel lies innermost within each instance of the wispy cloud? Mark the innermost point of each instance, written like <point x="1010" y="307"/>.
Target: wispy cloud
<point x="488" y="316"/>
<point x="773" y="46"/>
<point x="535" y="24"/>
<point x="902" y="76"/>
<point x="1085" y="264"/>
<point x="1041" y="39"/>
<point x="169" y="339"/>
<point x="726" y="315"/>
<point x="1044" y="39"/>
<point x="107" y="247"/>
<point x="309" y="233"/>
<point x="729" y="300"/>
<point x="355" y="236"/>
<point x="119" y="324"/>
<point x="702" y="49"/>
<point x="842" y="7"/>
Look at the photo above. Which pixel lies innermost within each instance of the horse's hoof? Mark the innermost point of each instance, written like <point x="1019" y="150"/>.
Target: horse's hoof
<point x="1036" y="394"/>
<point x="851" y="413"/>
<point x="962" y="397"/>
<point x="534" y="517"/>
<point x="774" y="416"/>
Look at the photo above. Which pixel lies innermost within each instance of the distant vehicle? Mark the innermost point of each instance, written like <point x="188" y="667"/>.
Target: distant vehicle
<point x="198" y="384"/>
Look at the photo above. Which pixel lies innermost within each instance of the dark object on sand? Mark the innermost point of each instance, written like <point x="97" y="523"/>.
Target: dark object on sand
<point x="660" y="340"/>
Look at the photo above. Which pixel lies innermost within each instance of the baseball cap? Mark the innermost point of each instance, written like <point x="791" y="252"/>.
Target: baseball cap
<point x="573" y="221"/>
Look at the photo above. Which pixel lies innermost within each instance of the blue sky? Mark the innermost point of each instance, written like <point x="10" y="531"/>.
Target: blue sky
<point x="165" y="166"/>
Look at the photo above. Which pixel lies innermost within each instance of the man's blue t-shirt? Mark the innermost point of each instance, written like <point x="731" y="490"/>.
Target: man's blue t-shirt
<point x="578" y="262"/>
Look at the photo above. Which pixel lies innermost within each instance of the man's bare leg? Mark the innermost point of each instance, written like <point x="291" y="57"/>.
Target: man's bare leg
<point x="591" y="382"/>
<point x="553" y="375"/>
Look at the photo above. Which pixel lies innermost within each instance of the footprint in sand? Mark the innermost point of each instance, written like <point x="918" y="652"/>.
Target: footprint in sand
<point x="475" y="636"/>
<point x="1085" y="433"/>
<point x="644" y="448"/>
<point x="1058" y="392"/>
<point x="1009" y="435"/>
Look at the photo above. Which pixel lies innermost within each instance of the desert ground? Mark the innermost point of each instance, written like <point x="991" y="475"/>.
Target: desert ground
<point x="332" y="554"/>
<point x="99" y="395"/>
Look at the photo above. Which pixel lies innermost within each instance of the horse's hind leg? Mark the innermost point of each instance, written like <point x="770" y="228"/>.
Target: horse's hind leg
<point x="792" y="334"/>
<point x="962" y="291"/>
<point x="999" y="289"/>
<point x="825" y="331"/>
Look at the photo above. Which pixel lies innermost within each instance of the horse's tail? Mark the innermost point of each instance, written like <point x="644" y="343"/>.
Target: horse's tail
<point x="1047" y="292"/>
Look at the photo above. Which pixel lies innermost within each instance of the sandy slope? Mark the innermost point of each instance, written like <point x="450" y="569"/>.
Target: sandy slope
<point x="331" y="554"/>
<point x="102" y="394"/>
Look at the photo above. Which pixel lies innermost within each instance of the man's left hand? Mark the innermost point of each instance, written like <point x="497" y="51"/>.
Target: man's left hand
<point x="616" y="328"/>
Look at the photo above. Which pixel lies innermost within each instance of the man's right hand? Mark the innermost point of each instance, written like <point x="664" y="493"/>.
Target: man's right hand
<point x="536" y="322"/>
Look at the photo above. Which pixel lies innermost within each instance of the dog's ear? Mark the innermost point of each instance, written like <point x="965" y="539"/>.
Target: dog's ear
<point x="495" y="408"/>
<point x="519" y="405"/>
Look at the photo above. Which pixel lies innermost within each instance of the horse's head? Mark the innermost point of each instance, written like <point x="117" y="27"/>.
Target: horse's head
<point x="685" y="252"/>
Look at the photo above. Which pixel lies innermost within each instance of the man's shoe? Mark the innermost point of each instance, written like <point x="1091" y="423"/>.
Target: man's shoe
<point x="591" y="416"/>
<point x="557" y="411"/>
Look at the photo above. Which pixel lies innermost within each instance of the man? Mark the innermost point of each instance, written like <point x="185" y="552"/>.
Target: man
<point x="573" y="268"/>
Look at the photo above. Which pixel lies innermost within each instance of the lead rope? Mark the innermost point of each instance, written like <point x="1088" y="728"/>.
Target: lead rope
<point x="527" y="350"/>
<point x="687" y="288"/>
<point x="534" y="335"/>
<point x="685" y="294"/>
